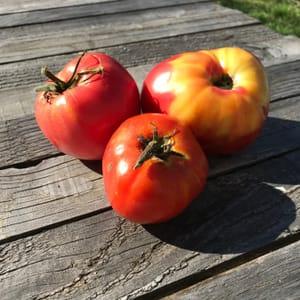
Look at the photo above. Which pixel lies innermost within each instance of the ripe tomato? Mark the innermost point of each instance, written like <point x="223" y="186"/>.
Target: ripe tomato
<point x="153" y="167"/>
<point x="80" y="107"/>
<point x="221" y="94"/>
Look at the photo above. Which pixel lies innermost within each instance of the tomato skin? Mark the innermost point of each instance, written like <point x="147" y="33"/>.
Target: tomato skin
<point x="80" y="121"/>
<point x="156" y="191"/>
<point x="224" y="120"/>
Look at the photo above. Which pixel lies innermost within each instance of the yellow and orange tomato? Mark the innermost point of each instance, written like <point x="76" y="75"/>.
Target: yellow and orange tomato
<point x="221" y="94"/>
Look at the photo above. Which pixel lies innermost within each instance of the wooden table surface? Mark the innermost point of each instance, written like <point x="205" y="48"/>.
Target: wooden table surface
<point x="59" y="238"/>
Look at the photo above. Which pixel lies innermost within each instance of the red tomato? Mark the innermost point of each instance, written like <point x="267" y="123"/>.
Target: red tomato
<point x="221" y="94"/>
<point x="80" y="107"/>
<point x="153" y="167"/>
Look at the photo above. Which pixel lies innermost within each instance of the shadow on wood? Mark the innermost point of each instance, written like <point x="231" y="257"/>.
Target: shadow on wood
<point x="94" y="165"/>
<point x="256" y="198"/>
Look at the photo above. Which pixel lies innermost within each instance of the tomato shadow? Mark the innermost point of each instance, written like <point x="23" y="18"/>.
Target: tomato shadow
<point x="93" y="165"/>
<point x="247" y="208"/>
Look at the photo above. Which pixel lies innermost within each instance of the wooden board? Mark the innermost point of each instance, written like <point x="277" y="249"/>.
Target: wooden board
<point x="32" y="41"/>
<point x="80" y="11"/>
<point x="29" y="5"/>
<point x="46" y="194"/>
<point x="106" y="257"/>
<point x="21" y="140"/>
<point x="256" y="38"/>
<point x="59" y="238"/>
<point x="272" y="276"/>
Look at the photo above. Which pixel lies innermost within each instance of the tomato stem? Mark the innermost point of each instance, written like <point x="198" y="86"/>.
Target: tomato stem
<point x="73" y="77"/>
<point x="59" y="86"/>
<point x="224" y="82"/>
<point x="160" y="147"/>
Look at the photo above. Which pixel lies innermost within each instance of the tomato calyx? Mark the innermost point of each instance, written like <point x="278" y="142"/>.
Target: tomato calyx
<point x="160" y="147"/>
<point x="58" y="86"/>
<point x="224" y="82"/>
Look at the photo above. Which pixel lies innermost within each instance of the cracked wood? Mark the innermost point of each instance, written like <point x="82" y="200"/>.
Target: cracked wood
<point x="9" y="7"/>
<point x="62" y="188"/>
<point x="83" y="10"/>
<point x="272" y="276"/>
<point x="40" y="40"/>
<point x="103" y="256"/>
<point x="106" y="257"/>
<point x="257" y="38"/>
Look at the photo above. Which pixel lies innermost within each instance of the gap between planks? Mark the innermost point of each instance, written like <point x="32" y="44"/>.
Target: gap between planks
<point x="258" y="275"/>
<point x="19" y="6"/>
<point x="256" y="38"/>
<point x="284" y="90"/>
<point x="252" y="211"/>
<point x="85" y="10"/>
<point x="34" y="41"/>
<point x="62" y="188"/>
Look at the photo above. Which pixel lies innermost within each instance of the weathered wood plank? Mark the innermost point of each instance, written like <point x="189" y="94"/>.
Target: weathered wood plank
<point x="21" y="140"/>
<point x="272" y="276"/>
<point x="29" y="5"/>
<point x="80" y="11"/>
<point x="24" y="42"/>
<point x="46" y="194"/>
<point x="265" y="43"/>
<point x="105" y="257"/>
<point x="256" y="38"/>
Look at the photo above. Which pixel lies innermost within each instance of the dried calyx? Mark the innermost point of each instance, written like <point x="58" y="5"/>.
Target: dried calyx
<point x="159" y="147"/>
<point x="59" y="86"/>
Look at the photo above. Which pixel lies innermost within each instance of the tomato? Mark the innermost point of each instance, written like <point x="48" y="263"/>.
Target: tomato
<point x="80" y="107"/>
<point x="153" y="167"/>
<point x="221" y="94"/>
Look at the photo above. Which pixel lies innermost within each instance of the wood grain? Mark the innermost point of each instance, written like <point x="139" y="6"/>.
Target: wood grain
<point x="28" y="201"/>
<point x="256" y="38"/>
<point x="272" y="276"/>
<point x="21" y="140"/>
<point x="59" y="238"/>
<point x="46" y="194"/>
<point x="31" y="5"/>
<point x="80" y="11"/>
<point x="26" y="42"/>
<point x="105" y="257"/>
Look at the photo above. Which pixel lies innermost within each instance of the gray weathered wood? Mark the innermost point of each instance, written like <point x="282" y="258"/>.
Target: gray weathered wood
<point x="106" y="257"/>
<point x="256" y="38"/>
<point x="21" y="139"/>
<point x="103" y="256"/>
<point x="46" y="194"/>
<point x="28" y="201"/>
<point x="24" y="42"/>
<point x="272" y="276"/>
<point x="14" y="6"/>
<point x="96" y="9"/>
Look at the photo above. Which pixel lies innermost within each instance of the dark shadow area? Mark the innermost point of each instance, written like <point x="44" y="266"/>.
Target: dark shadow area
<point x="277" y="137"/>
<point x="245" y="209"/>
<point x="94" y="165"/>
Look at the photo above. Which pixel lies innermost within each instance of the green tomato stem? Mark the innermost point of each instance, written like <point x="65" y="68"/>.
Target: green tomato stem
<point x="160" y="147"/>
<point x="59" y="86"/>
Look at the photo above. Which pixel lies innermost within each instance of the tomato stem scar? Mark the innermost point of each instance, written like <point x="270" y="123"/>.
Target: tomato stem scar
<point x="160" y="147"/>
<point x="224" y="82"/>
